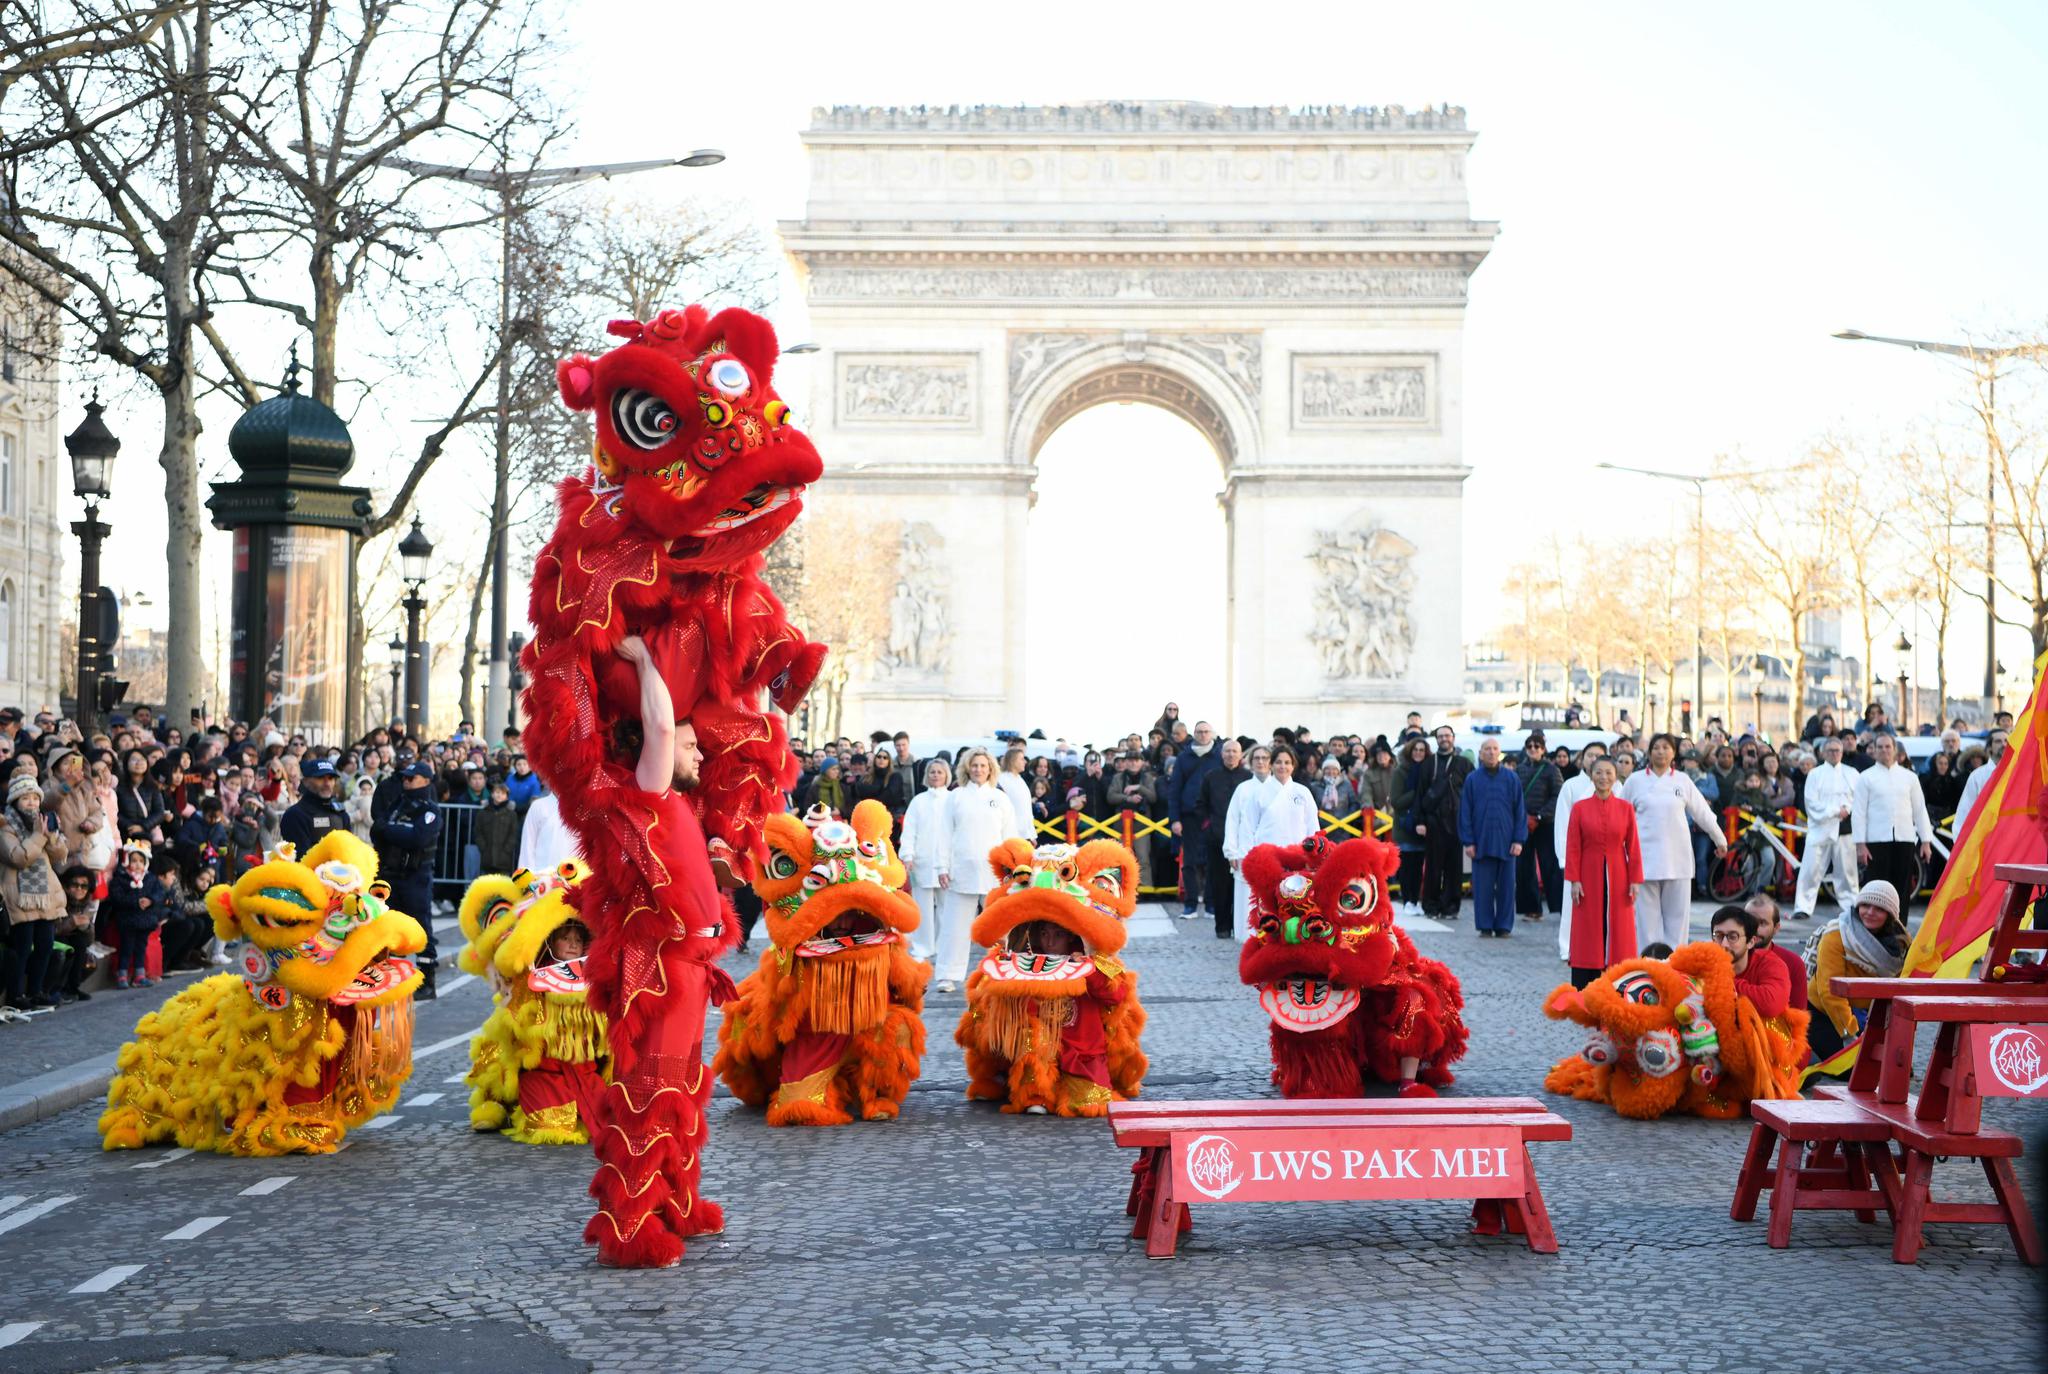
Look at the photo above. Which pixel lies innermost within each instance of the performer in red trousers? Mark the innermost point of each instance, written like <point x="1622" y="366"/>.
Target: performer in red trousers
<point x="656" y="634"/>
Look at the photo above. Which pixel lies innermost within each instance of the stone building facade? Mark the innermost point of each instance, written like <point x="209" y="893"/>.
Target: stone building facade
<point x="36" y="599"/>
<point x="1291" y="283"/>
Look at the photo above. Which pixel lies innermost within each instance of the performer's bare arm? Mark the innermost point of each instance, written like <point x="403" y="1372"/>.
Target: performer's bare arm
<point x="657" y="767"/>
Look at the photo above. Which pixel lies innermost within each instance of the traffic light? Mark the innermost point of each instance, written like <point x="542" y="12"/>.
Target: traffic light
<point x="112" y="689"/>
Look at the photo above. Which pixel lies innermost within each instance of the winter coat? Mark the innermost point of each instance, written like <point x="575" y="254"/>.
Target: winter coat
<point x="1440" y="780"/>
<point x="1403" y="803"/>
<point x="524" y="790"/>
<point x="74" y="806"/>
<point x="245" y="850"/>
<point x="196" y="836"/>
<point x="1212" y="802"/>
<point x="143" y="812"/>
<point x="30" y="856"/>
<point x="891" y="790"/>
<point x="1120" y="783"/>
<point x="1339" y="800"/>
<point x="1541" y="783"/>
<point x="1184" y="788"/>
<point x="1376" y="787"/>
<point x="923" y="849"/>
<point x="126" y="894"/>
<point x="1491" y="816"/>
<point x="497" y="838"/>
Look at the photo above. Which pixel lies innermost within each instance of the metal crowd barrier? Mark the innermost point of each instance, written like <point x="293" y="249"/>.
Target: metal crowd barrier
<point x="457" y="861"/>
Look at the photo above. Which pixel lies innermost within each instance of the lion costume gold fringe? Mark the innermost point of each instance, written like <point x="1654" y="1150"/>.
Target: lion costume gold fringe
<point x="1053" y="1019"/>
<point x="538" y="1065"/>
<point x="312" y="1037"/>
<point x="1674" y="1036"/>
<point x="832" y="1022"/>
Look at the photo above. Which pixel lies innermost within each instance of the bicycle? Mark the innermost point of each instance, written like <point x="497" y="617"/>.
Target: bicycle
<point x="1755" y="861"/>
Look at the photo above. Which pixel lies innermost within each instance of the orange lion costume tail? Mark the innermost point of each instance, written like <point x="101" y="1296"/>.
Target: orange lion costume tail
<point x="1675" y="1036"/>
<point x="1053" y="1018"/>
<point x="832" y="1023"/>
<point x="696" y="471"/>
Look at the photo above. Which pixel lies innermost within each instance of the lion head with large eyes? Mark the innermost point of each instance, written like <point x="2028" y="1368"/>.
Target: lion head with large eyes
<point x="693" y="443"/>
<point x="1322" y="928"/>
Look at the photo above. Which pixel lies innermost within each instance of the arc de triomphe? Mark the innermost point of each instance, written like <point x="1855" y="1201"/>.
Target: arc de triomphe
<point x="1291" y="283"/>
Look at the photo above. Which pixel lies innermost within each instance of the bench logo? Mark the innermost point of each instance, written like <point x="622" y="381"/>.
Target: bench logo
<point x="1212" y="1166"/>
<point x="2015" y="1060"/>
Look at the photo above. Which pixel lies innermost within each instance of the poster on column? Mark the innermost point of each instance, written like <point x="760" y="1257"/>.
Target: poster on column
<point x="1348" y="1164"/>
<point x="306" y="619"/>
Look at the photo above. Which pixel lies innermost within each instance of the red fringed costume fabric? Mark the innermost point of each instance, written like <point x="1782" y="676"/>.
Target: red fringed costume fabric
<point x="1348" y="996"/>
<point x="696" y="471"/>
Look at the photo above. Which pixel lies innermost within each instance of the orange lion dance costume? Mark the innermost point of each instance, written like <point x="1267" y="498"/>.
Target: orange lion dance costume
<point x="696" y="471"/>
<point x="832" y="1023"/>
<point x="1053" y="1019"/>
<point x="1349" y="998"/>
<point x="1674" y="1035"/>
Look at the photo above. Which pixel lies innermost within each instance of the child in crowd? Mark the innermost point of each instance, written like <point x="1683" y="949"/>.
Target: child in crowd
<point x="135" y="904"/>
<point x="362" y="816"/>
<point x="497" y="832"/>
<point x="180" y="935"/>
<point x="245" y="837"/>
<point x="75" y="933"/>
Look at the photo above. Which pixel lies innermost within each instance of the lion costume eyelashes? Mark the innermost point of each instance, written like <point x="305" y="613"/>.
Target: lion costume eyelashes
<point x="831" y="1025"/>
<point x="537" y="1068"/>
<point x="311" y="1038"/>
<point x="1053" y="1018"/>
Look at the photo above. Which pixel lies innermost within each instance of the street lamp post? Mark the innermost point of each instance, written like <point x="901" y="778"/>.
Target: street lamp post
<point x="510" y="185"/>
<point x="1998" y="687"/>
<point x="1699" y="557"/>
<point x="1903" y="648"/>
<point x="1974" y="353"/>
<point x="396" y="650"/>
<point x="92" y="447"/>
<point x="414" y="551"/>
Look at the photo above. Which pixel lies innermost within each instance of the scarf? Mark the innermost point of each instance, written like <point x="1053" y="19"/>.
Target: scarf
<point x="1201" y="749"/>
<point x="1863" y="947"/>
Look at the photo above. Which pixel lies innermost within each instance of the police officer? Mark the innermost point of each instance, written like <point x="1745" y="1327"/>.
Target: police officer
<point x="407" y="838"/>
<point x="317" y="812"/>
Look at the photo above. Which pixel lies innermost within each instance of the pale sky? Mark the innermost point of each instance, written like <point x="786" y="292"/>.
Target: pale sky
<point x="1691" y="198"/>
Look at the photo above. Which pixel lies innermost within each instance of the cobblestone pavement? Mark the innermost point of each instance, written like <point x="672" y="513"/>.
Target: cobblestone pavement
<point x="961" y="1239"/>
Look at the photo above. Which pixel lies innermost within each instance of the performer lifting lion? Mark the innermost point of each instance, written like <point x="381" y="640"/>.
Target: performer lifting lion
<point x="655" y="635"/>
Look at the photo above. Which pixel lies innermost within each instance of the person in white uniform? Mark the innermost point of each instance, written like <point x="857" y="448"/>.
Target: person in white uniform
<point x="1830" y="799"/>
<point x="1890" y="819"/>
<point x="1571" y="794"/>
<point x="923" y="850"/>
<point x="1665" y="800"/>
<point x="1979" y="779"/>
<point x="1011" y="781"/>
<point x="1240" y="823"/>
<point x="978" y="818"/>
<point x="1289" y="815"/>
<point x="544" y="841"/>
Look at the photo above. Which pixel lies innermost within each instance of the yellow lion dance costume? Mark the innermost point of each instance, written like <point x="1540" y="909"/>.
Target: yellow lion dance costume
<point x="832" y="1022"/>
<point x="1675" y="1036"/>
<point x="1052" y="1019"/>
<point x="311" y="1038"/>
<point x="538" y="1067"/>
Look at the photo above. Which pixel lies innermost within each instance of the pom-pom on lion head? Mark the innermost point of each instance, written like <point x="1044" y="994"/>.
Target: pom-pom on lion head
<point x="691" y="433"/>
<point x="315" y="927"/>
<point x="1322" y="928"/>
<point x="512" y="921"/>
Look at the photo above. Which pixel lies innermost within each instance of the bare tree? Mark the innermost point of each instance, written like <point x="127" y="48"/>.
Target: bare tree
<point x="1792" y="551"/>
<point x="1938" y="555"/>
<point x="838" y="593"/>
<point x="2017" y="436"/>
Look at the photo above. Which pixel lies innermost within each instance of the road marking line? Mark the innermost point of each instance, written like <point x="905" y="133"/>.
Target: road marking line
<point x="449" y="924"/>
<point x="380" y="1123"/>
<point x="425" y="1099"/>
<point x="29" y="1214"/>
<point x="167" y="1157"/>
<point x="443" y="989"/>
<point x="194" y="1229"/>
<point x="451" y="1078"/>
<point x="267" y="1186"/>
<point x="14" y="1331"/>
<point x="439" y="1045"/>
<point x="108" y="1278"/>
<point x="8" y="1204"/>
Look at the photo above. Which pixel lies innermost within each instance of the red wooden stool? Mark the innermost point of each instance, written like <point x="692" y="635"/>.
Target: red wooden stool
<point x="1836" y="1177"/>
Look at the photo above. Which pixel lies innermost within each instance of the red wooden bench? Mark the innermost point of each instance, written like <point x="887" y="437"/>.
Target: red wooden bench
<point x="1838" y="1173"/>
<point x="1196" y="1153"/>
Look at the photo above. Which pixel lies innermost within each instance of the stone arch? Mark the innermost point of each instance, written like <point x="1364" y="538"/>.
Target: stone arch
<point x="1157" y="373"/>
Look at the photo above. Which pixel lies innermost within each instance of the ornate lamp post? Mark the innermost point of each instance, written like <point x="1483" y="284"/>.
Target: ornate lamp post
<point x="1756" y="701"/>
<point x="92" y="447"/>
<point x="1904" y="647"/>
<point x="1997" y="686"/>
<point x="414" y="553"/>
<point x="396" y="651"/>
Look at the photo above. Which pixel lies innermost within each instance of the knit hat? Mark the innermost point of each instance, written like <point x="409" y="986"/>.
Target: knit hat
<point x="20" y="786"/>
<point x="1877" y="892"/>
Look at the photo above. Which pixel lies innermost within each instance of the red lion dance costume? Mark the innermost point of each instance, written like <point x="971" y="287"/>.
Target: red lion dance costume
<point x="1349" y="998"/>
<point x="696" y="471"/>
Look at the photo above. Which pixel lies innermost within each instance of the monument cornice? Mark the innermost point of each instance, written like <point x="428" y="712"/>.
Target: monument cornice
<point x="1125" y="118"/>
<point x="1193" y="258"/>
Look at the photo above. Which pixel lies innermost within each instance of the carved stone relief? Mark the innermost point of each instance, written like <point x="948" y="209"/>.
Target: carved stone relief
<point x="1034" y="354"/>
<point x="1237" y="356"/>
<point x="919" y="636"/>
<point x="922" y="389"/>
<point x="1364" y="593"/>
<point x="1365" y="390"/>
